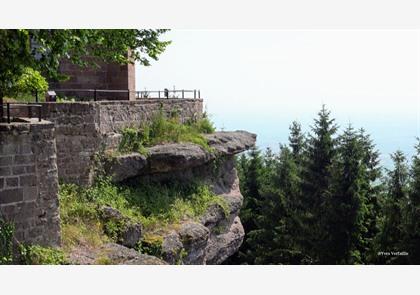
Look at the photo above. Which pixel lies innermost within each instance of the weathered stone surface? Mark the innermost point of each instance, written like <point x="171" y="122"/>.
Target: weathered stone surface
<point x="130" y="232"/>
<point x="180" y="156"/>
<point x="230" y="143"/>
<point x="122" y="255"/>
<point x="126" y="166"/>
<point x="194" y="238"/>
<point x="221" y="246"/>
<point x="29" y="182"/>
<point x="112" y="253"/>
<point x="176" y="156"/>
<point x="171" y="248"/>
<point x="213" y="216"/>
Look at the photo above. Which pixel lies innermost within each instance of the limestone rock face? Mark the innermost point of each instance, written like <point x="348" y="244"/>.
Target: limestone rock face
<point x="179" y="156"/>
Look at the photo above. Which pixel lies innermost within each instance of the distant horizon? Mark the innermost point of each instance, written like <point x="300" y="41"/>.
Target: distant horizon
<point x="261" y="81"/>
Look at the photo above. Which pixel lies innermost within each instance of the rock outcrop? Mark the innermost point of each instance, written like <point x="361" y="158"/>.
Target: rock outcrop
<point x="218" y="233"/>
<point x="112" y="253"/>
<point x="179" y="156"/>
<point x="129" y="233"/>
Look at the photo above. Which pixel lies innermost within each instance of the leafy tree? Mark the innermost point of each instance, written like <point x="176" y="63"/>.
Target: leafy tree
<point x="42" y="50"/>
<point x="29" y="82"/>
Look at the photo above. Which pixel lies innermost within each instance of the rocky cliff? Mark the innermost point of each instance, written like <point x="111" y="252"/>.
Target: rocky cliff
<point x="218" y="233"/>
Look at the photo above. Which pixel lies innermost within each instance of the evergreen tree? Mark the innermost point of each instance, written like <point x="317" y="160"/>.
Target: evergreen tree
<point x="346" y="208"/>
<point x="412" y="228"/>
<point x="392" y="227"/>
<point x="252" y="170"/>
<point x="373" y="189"/>
<point x="316" y="185"/>
<point x="296" y="141"/>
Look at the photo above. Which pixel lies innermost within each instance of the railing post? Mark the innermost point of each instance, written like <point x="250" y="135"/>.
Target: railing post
<point x="8" y="112"/>
<point x="182" y="93"/>
<point x="199" y="96"/>
<point x="195" y="94"/>
<point x="159" y="93"/>
<point x="29" y="111"/>
<point x="1" y="108"/>
<point x="128" y="92"/>
<point x="94" y="95"/>
<point x="39" y="113"/>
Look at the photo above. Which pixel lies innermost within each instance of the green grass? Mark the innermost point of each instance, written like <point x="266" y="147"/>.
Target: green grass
<point x="159" y="207"/>
<point x="35" y="255"/>
<point x="162" y="129"/>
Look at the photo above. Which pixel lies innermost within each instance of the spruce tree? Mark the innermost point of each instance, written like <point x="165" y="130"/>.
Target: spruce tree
<point x="253" y="169"/>
<point x="316" y="185"/>
<point x="373" y="190"/>
<point x="396" y="198"/>
<point x="346" y="208"/>
<point x="412" y="228"/>
<point x="296" y="141"/>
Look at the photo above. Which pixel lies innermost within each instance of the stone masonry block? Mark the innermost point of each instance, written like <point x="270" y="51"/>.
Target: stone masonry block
<point x="11" y="196"/>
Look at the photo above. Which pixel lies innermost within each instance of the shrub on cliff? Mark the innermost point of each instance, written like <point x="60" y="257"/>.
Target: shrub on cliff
<point x="163" y="129"/>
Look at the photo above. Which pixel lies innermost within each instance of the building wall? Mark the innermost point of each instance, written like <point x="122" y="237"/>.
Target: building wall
<point x="28" y="181"/>
<point x="106" y="76"/>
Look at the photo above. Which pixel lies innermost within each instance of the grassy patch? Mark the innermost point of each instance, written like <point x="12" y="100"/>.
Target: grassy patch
<point x="42" y="255"/>
<point x="162" y="129"/>
<point x="159" y="207"/>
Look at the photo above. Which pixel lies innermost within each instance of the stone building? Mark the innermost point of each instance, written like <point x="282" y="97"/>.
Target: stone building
<point x="105" y="77"/>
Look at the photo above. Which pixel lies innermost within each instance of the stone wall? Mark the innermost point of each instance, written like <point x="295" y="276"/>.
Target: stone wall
<point x="28" y="181"/>
<point x="115" y="115"/>
<point x="84" y="128"/>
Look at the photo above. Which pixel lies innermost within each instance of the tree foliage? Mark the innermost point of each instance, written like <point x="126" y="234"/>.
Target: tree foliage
<point x="42" y="50"/>
<point x="322" y="199"/>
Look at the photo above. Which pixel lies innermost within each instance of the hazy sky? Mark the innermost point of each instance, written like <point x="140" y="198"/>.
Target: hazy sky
<point x="262" y="80"/>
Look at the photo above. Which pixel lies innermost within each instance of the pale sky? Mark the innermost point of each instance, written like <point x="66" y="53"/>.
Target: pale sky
<point x="262" y="80"/>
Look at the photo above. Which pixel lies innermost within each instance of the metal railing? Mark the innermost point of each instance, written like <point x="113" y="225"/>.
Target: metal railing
<point x="166" y="93"/>
<point x="10" y="106"/>
<point x="96" y="94"/>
